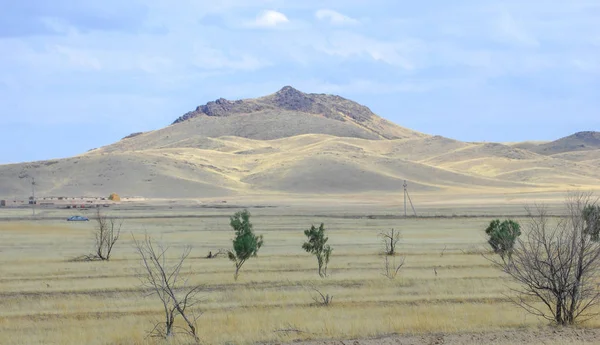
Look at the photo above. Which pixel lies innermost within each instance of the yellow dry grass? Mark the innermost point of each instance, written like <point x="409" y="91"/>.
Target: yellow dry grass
<point x="45" y="299"/>
<point x="225" y="166"/>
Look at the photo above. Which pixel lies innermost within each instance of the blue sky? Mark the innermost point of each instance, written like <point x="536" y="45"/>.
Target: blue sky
<point x="76" y="75"/>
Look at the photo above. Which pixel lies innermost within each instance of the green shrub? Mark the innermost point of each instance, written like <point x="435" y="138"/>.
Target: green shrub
<point x="245" y="244"/>
<point x="317" y="245"/>
<point x="502" y="236"/>
<point x="591" y="216"/>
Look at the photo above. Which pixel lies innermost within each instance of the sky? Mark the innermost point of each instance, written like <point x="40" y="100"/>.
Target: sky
<point x="76" y="75"/>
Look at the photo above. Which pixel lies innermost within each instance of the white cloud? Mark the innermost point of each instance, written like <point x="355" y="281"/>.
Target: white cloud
<point x="269" y="19"/>
<point x="335" y="18"/>
<point x="397" y="53"/>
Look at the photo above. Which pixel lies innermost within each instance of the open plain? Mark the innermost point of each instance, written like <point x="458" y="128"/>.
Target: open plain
<point x="293" y="160"/>
<point x="447" y="292"/>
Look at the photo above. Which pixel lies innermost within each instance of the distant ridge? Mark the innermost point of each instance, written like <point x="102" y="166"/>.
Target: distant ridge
<point x="580" y="141"/>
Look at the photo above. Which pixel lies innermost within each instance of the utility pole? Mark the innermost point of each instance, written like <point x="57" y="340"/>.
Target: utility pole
<point x="406" y="195"/>
<point x="33" y="195"/>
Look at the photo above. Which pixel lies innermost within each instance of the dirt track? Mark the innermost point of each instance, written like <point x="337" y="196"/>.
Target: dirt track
<point x="547" y="336"/>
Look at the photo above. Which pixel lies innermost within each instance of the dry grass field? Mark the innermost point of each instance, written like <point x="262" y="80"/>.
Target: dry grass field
<point x="446" y="286"/>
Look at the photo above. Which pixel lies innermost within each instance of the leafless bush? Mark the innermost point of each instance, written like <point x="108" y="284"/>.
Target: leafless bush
<point x="320" y="298"/>
<point x="391" y="267"/>
<point x="290" y="329"/>
<point x="557" y="266"/>
<point x="165" y="280"/>
<point x="106" y="234"/>
<point x="220" y="252"/>
<point x="390" y="239"/>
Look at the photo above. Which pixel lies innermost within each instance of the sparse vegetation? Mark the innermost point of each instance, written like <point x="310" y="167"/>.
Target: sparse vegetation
<point x="558" y="266"/>
<point x="390" y="239"/>
<point x="391" y="267"/>
<point x="321" y="299"/>
<point x="245" y="244"/>
<point x="166" y="281"/>
<point x="106" y="235"/>
<point x="317" y="246"/>
<point x="502" y="236"/>
<point x="47" y="300"/>
<point x="591" y="216"/>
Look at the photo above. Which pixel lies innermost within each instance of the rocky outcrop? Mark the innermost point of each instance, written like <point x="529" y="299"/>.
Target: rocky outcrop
<point x="288" y="98"/>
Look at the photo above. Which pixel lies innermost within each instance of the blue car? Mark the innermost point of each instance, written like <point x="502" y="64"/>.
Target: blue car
<point x="78" y="219"/>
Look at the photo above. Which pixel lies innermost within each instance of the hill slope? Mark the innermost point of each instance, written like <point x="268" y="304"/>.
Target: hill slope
<point x="294" y="143"/>
<point x="581" y="141"/>
<point x="312" y="163"/>
<point x="284" y="114"/>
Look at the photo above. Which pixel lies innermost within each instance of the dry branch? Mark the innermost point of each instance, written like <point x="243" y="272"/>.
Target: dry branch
<point x="390" y="269"/>
<point x="106" y="234"/>
<point x="557" y="267"/>
<point x="321" y="298"/>
<point x="390" y="240"/>
<point x="165" y="281"/>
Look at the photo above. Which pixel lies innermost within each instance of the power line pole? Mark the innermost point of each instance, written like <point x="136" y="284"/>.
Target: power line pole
<point x="406" y="195"/>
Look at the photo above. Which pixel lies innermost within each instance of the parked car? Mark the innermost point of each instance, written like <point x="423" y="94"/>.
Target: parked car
<point x="78" y="219"/>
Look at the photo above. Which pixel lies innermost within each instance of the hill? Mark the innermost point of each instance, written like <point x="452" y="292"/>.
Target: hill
<point x="581" y="141"/>
<point x="291" y="143"/>
<point x="286" y="112"/>
<point x="305" y="164"/>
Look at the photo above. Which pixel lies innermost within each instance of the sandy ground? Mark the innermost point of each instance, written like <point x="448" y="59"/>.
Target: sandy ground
<point x="540" y="336"/>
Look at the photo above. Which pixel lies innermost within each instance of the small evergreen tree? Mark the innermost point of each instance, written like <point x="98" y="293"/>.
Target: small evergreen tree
<point x="591" y="216"/>
<point x="503" y="236"/>
<point x="316" y="245"/>
<point x="245" y="244"/>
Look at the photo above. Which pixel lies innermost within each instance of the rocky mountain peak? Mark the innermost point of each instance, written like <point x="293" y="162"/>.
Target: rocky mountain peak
<point x="286" y="99"/>
<point x="589" y="135"/>
<point x="291" y="99"/>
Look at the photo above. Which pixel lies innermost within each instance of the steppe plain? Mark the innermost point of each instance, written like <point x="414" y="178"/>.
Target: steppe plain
<point x="293" y="160"/>
<point x="446" y="292"/>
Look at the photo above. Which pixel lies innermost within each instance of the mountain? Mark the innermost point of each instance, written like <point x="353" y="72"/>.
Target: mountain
<point x="286" y="113"/>
<point x="291" y="143"/>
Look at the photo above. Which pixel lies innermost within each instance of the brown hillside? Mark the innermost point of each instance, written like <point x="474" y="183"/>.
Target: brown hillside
<point x="581" y="141"/>
<point x="290" y="143"/>
<point x="312" y="163"/>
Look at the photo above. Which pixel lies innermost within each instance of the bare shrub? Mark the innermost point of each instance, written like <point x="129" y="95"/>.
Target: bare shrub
<point x="391" y="267"/>
<point x="557" y="266"/>
<point x="106" y="234"/>
<point x="220" y="252"/>
<point x="390" y="239"/>
<point x="165" y="280"/>
<point x="321" y="298"/>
